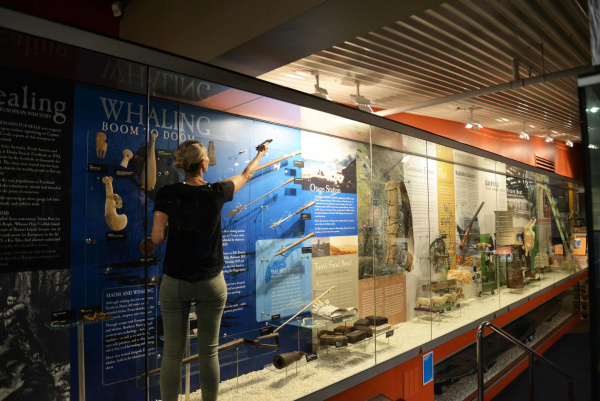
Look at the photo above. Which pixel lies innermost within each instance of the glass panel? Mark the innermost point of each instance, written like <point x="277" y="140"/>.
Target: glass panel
<point x="118" y="260"/>
<point x="198" y="92"/>
<point x="513" y="261"/>
<point x="400" y="240"/>
<point x="590" y="102"/>
<point x="394" y="140"/>
<point x="290" y="234"/>
<point x="455" y="377"/>
<point x="345" y="236"/>
<point x="86" y="218"/>
<point x="52" y="58"/>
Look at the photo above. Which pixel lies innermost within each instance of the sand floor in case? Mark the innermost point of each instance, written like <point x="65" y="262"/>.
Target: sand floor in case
<point x="334" y="365"/>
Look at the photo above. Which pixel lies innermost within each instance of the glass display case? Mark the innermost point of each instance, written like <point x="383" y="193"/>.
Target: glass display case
<point x="353" y="244"/>
<point x="455" y="376"/>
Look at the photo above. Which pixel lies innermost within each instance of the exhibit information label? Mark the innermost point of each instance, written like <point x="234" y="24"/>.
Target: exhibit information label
<point x="427" y="368"/>
<point x="35" y="146"/>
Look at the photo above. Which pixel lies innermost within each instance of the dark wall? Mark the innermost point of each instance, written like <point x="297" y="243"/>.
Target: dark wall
<point x="92" y="15"/>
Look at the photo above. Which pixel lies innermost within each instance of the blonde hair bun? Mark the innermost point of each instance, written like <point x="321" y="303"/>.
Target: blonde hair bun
<point x="181" y="164"/>
<point x="188" y="154"/>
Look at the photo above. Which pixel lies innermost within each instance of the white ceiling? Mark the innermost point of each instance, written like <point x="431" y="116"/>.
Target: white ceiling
<point x="457" y="47"/>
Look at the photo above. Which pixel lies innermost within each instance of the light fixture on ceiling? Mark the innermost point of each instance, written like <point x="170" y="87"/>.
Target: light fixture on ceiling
<point x="320" y="92"/>
<point x="569" y="143"/>
<point x="293" y="76"/>
<point x="471" y="122"/>
<point x="405" y="158"/>
<point x="547" y="136"/>
<point x="592" y="146"/>
<point x="523" y="134"/>
<point x="303" y="73"/>
<point x="594" y="109"/>
<point x="362" y="102"/>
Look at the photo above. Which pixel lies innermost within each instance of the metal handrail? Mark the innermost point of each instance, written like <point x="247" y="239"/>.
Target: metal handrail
<point x="532" y="355"/>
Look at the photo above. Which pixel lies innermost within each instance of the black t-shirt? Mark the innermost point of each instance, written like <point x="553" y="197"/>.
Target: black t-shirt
<point x="194" y="243"/>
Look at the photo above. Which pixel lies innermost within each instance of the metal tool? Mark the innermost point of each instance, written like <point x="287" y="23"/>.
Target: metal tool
<point x="464" y="240"/>
<point x="240" y="207"/>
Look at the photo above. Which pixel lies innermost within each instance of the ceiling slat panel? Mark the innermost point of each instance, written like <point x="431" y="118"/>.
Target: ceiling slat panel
<point x="457" y="47"/>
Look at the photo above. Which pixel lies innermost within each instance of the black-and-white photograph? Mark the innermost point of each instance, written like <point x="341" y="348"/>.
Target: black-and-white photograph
<point x="35" y="358"/>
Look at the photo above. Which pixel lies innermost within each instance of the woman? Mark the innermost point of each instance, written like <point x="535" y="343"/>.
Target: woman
<point x="193" y="264"/>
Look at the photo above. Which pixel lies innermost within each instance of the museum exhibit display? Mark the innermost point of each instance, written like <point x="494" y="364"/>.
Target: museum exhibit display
<point x="353" y="245"/>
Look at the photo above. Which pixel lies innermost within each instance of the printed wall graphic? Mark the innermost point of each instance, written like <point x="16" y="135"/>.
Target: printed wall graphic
<point x="365" y="211"/>
<point x="109" y="205"/>
<point x="384" y="296"/>
<point x="421" y="178"/>
<point x="385" y="213"/>
<point x="35" y="223"/>
<point x="283" y="282"/>
<point x="518" y="197"/>
<point x="80" y="170"/>
<point x="414" y="145"/>
<point x="29" y="349"/>
<point x="544" y="220"/>
<point x="410" y="211"/>
<point x="123" y="338"/>
<point x="335" y="263"/>
<point x="329" y="173"/>
<point x="114" y="185"/>
<point x="466" y="187"/>
<point x="446" y="208"/>
<point x="35" y="146"/>
<point x="330" y="164"/>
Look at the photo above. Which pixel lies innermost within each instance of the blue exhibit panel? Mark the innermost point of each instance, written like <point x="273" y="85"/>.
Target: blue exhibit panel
<point x="283" y="282"/>
<point x="273" y="211"/>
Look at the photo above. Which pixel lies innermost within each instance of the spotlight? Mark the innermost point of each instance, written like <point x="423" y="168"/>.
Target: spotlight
<point x="594" y="109"/>
<point x="405" y="159"/>
<point x="591" y="146"/>
<point x="320" y="92"/>
<point x="569" y="143"/>
<point x="302" y="73"/>
<point x="362" y="102"/>
<point x="549" y="139"/>
<point x="471" y="123"/>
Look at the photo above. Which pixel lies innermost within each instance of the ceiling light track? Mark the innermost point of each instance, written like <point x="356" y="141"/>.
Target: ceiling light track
<point x="520" y="83"/>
